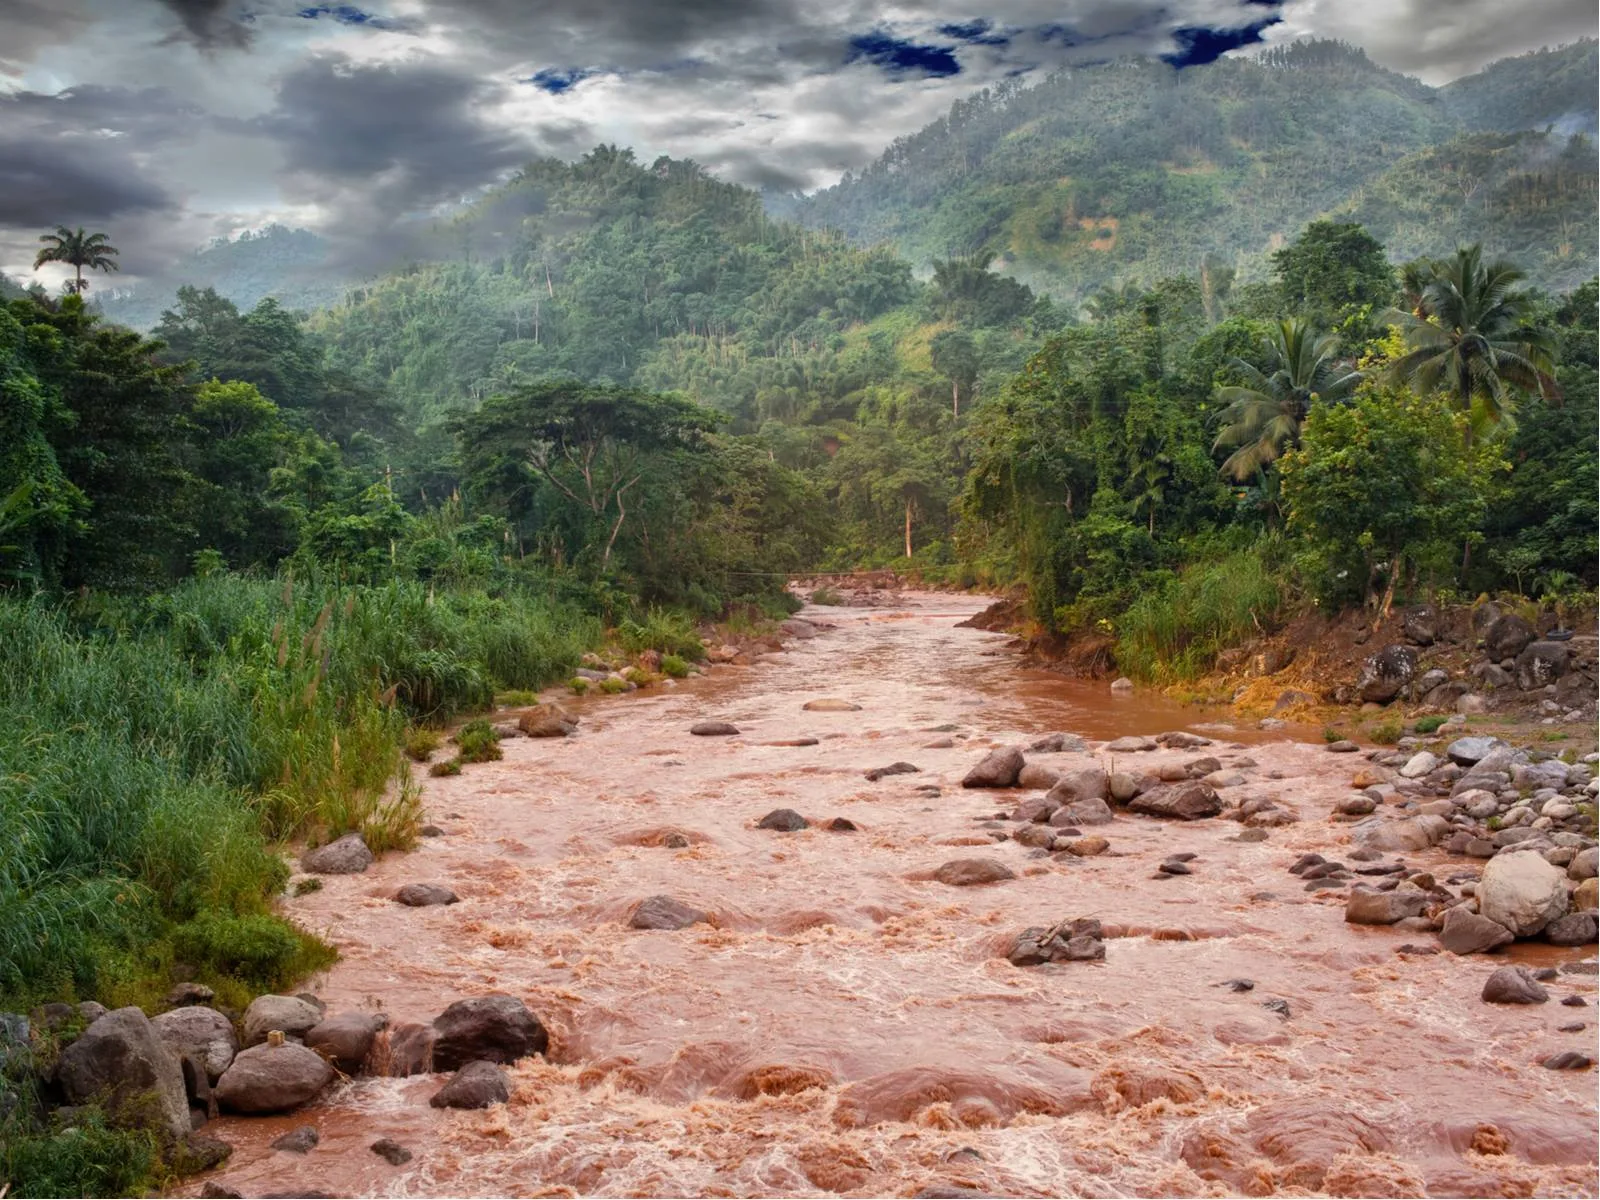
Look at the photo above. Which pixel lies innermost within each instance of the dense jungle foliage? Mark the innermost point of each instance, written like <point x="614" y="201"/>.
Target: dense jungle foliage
<point x="248" y="560"/>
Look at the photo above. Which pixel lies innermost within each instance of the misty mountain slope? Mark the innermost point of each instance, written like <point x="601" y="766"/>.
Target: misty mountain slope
<point x="1133" y="170"/>
<point x="1532" y="91"/>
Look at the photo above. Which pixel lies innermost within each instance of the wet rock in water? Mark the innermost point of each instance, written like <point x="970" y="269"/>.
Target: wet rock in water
<point x="1085" y="783"/>
<point x="1034" y="835"/>
<point x="122" y="1059"/>
<point x="1037" y="775"/>
<point x="999" y="769"/>
<point x="346" y="1040"/>
<point x="201" y="1033"/>
<point x="1513" y="985"/>
<point x="833" y="706"/>
<point x="1087" y="847"/>
<point x="1238" y="985"/>
<point x="1123" y="787"/>
<point x="969" y="872"/>
<point x="1035" y="808"/>
<point x="793" y="742"/>
<point x="1079" y="939"/>
<point x="272" y="1079"/>
<point x="1522" y="891"/>
<point x="1122" y="685"/>
<point x="547" y="721"/>
<point x="1383" y="908"/>
<point x="1251" y="835"/>
<point x="1356" y="806"/>
<point x="431" y="831"/>
<point x="1507" y="637"/>
<point x="1181" y="801"/>
<point x="1178" y="739"/>
<point x="1057" y="743"/>
<point x="1083" y="812"/>
<point x="424" y="895"/>
<point x="1410" y="833"/>
<point x="1130" y="745"/>
<point x="1568" y="1060"/>
<point x="391" y="1151"/>
<point x="675" y="841"/>
<point x="409" y="1050"/>
<point x="1468" y="933"/>
<point x="1386" y="673"/>
<point x="345" y="856"/>
<point x="201" y="1153"/>
<point x="1342" y="746"/>
<point x="1174" y="867"/>
<point x="192" y="993"/>
<point x="1574" y="929"/>
<point x="1281" y="1007"/>
<point x="301" y="1140"/>
<point x="475" y="1085"/>
<point x="289" y="1014"/>
<point x="663" y="912"/>
<point x="713" y="729"/>
<point x="841" y="825"/>
<point x="212" y="1190"/>
<point x="799" y="627"/>
<point x="899" y="768"/>
<point x="1574" y="1002"/>
<point x="939" y="744"/>
<point x="495" y="1028"/>
<point x="783" y="820"/>
<point x="1305" y="862"/>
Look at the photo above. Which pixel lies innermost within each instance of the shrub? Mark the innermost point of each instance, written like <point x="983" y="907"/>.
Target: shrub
<point x="673" y="666"/>
<point x="828" y="597"/>
<point x="1173" y="631"/>
<point x="1387" y="733"/>
<point x="445" y="768"/>
<point x="578" y="684"/>
<point x="261" y="950"/>
<point x="517" y="698"/>
<point x="478" y="741"/>
<point x="666" y="630"/>
<point x="421" y="743"/>
<point x="86" y="1158"/>
<point x="612" y="686"/>
<point x="636" y="677"/>
<point x="1430" y="724"/>
<point x="1330" y="734"/>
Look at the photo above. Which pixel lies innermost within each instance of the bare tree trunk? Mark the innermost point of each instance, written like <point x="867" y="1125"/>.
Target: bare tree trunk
<point x="1388" y="593"/>
<point x="908" y="528"/>
<point x="955" y="398"/>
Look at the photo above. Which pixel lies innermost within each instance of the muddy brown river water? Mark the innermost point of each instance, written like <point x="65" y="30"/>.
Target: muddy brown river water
<point x="850" y="1026"/>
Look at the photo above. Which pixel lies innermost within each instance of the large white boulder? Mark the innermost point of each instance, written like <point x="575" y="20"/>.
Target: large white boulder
<point x="1522" y="891"/>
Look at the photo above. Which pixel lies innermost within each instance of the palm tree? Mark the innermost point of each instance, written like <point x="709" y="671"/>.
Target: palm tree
<point x="1262" y="419"/>
<point x="1468" y="335"/>
<point x="80" y="250"/>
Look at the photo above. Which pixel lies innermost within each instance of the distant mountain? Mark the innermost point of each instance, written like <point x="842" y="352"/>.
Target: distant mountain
<point x="289" y="265"/>
<point x="1133" y="170"/>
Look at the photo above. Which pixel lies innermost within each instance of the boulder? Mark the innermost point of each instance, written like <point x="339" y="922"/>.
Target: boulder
<point x="1574" y="929"/>
<point x="1420" y="625"/>
<point x="391" y="1151"/>
<point x="1513" y="985"/>
<point x="290" y="1014"/>
<point x="345" y="856"/>
<point x="425" y="895"/>
<point x="1541" y="664"/>
<point x="1085" y="783"/>
<point x="1037" y="775"/>
<point x="1586" y="896"/>
<point x="663" y="912"/>
<point x="1522" y="891"/>
<point x="1094" y="811"/>
<point x="298" y="1141"/>
<point x="1086" y="847"/>
<point x="1507" y="637"/>
<point x="476" y="1085"/>
<point x="347" y="1039"/>
<point x="494" y="1028"/>
<point x="713" y="729"/>
<point x="272" y="1079"/>
<point x="1123" y="787"/>
<point x="189" y="993"/>
<point x="968" y="872"/>
<point x="1181" y="801"/>
<point x="1418" y="765"/>
<point x="1466" y="932"/>
<point x="783" y="820"/>
<point x="798" y="627"/>
<point x="1411" y="833"/>
<point x="200" y="1033"/>
<point x="999" y="769"/>
<point x="1122" y="686"/>
<point x="120" y="1059"/>
<point x="1383" y="908"/>
<point x="1483" y="616"/>
<point x="1130" y="745"/>
<point x="1386" y="674"/>
<point x="547" y="721"/>
<point x="1035" y="808"/>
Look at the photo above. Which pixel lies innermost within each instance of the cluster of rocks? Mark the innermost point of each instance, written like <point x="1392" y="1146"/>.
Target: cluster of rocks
<point x="180" y="1068"/>
<point x="1517" y="664"/>
<point x="1079" y="939"/>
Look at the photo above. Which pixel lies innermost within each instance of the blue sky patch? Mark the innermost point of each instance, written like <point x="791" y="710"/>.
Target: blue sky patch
<point x="349" y="14"/>
<point x="1198" y="44"/>
<point x="556" y="80"/>
<point x="899" y="57"/>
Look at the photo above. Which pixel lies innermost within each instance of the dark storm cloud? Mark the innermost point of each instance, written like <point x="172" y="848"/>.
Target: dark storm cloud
<point x="213" y="24"/>
<point x="30" y="25"/>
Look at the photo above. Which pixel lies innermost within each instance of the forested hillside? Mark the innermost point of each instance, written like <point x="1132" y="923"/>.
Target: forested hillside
<point x="1135" y="171"/>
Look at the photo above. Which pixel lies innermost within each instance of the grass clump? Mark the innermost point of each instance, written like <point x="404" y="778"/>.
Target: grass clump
<point x="421" y="742"/>
<point x="478" y="741"/>
<point x="445" y="768"/>
<point x="517" y="698"/>
<point x="1331" y="735"/>
<point x="674" y="667"/>
<point x="87" y="1156"/>
<point x="828" y="597"/>
<point x="579" y="685"/>
<point x="1430" y="724"/>
<point x="612" y="686"/>
<point x="1174" y="630"/>
<point x="261" y="950"/>
<point x="636" y="676"/>
<point x="1386" y="733"/>
<point x="306" y="886"/>
<point x="666" y="630"/>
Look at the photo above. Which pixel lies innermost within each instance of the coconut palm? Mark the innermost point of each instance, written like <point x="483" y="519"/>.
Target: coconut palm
<point x="80" y="250"/>
<point x="1469" y="336"/>
<point x="1262" y="418"/>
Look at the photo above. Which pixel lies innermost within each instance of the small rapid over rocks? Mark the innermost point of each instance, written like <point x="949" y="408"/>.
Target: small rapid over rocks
<point x="765" y="962"/>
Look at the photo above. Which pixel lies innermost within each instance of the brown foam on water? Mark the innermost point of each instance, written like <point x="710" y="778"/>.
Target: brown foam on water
<point x="846" y="1025"/>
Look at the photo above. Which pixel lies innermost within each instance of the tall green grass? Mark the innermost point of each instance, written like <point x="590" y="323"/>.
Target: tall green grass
<point x="1175" y="630"/>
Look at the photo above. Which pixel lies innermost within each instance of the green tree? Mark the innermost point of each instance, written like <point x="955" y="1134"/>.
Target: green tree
<point x="1332" y="270"/>
<point x="78" y="250"/>
<point x="1470" y="337"/>
<point x="955" y="356"/>
<point x="1261" y="418"/>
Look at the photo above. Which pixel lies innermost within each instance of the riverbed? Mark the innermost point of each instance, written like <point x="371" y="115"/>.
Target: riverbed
<point x="848" y="1025"/>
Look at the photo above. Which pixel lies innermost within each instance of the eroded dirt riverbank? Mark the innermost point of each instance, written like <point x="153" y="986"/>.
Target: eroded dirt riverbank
<point x="848" y="1025"/>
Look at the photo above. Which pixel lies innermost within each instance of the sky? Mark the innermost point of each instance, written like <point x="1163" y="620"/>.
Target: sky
<point x="167" y="123"/>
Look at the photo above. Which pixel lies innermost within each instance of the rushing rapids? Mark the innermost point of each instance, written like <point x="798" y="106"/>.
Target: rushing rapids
<point x="846" y="1023"/>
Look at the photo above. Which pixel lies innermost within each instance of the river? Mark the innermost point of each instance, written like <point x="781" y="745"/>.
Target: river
<point x="850" y="1026"/>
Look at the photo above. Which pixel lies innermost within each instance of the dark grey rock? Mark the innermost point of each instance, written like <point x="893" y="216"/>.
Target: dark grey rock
<point x="1513" y="985"/>
<point x="475" y="1085"/>
<point x="783" y="820"/>
<point x="495" y="1028"/>
<point x="663" y="912"/>
<point x="300" y="1140"/>
<point x="345" y="856"/>
<point x="425" y="895"/>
